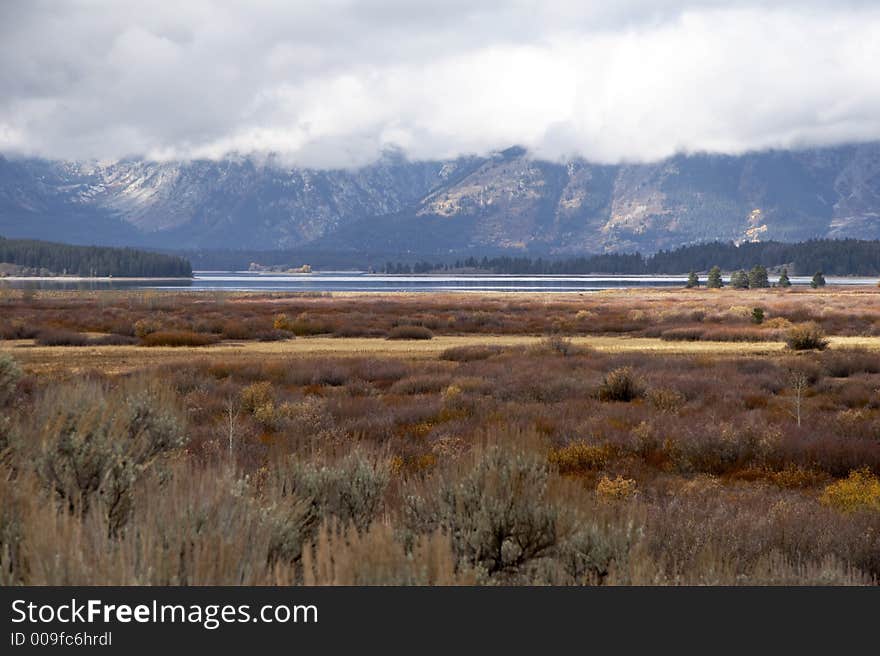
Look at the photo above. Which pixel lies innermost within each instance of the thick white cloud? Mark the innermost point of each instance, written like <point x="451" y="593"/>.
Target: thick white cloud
<point x="335" y="83"/>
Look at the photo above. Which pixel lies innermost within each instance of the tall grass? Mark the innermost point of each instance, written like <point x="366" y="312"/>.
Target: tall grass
<point x="491" y="466"/>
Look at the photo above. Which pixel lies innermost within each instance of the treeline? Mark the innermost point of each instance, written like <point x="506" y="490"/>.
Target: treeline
<point x="833" y="257"/>
<point x="836" y="257"/>
<point x="621" y="263"/>
<point x="90" y="261"/>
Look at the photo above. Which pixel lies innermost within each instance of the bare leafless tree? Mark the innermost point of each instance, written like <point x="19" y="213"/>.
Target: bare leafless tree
<point x="233" y="410"/>
<point x="799" y="383"/>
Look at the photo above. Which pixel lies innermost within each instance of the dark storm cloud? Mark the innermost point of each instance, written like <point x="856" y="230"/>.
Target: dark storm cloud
<point x="335" y="83"/>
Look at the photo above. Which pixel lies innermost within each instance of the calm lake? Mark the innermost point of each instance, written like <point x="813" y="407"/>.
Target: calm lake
<point x="365" y="282"/>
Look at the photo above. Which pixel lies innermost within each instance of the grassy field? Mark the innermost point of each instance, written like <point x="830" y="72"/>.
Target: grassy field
<point x="647" y="437"/>
<point x="119" y="359"/>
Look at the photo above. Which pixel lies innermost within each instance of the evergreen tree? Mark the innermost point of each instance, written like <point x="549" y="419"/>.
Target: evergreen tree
<point x="693" y="280"/>
<point x="90" y="261"/>
<point x="783" y="279"/>
<point x="758" y="277"/>
<point x="714" y="280"/>
<point x="818" y="280"/>
<point x="739" y="280"/>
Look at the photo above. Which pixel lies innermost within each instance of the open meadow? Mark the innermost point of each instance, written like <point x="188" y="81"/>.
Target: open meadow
<point x="649" y="436"/>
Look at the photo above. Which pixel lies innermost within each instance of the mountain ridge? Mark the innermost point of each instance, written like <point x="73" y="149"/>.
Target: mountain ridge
<point x="504" y="202"/>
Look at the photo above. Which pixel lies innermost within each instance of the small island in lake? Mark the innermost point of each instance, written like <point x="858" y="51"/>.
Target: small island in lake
<point x="256" y="267"/>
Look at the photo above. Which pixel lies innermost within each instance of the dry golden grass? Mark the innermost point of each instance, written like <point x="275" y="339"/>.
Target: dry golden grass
<point x="120" y="359"/>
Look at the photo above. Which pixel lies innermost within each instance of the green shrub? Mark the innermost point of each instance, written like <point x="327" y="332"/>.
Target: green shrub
<point x="805" y="337"/>
<point x="351" y="490"/>
<point x="291" y="525"/>
<point x="596" y="545"/>
<point x="95" y="443"/>
<point x="498" y="514"/>
<point x="621" y="385"/>
<point x="10" y="374"/>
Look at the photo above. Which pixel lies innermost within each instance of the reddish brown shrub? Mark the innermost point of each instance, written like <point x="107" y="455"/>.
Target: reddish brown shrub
<point x="470" y="353"/>
<point x="178" y="338"/>
<point x="61" y="338"/>
<point x="410" y="332"/>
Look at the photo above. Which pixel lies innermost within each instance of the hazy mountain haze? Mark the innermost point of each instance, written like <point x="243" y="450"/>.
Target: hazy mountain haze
<point x="334" y="84"/>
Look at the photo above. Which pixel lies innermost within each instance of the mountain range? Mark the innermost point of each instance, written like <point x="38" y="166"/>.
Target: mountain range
<point x="508" y="202"/>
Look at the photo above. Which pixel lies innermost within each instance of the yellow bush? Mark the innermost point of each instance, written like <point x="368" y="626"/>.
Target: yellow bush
<point x="778" y="323"/>
<point x="858" y="491"/>
<point x="257" y="395"/>
<point x="738" y="312"/>
<point x="452" y="394"/>
<point x="616" y="489"/>
<point x="637" y="315"/>
<point x="144" y="327"/>
<point x="281" y="322"/>
<point x="797" y="477"/>
<point x="805" y="337"/>
<point x="412" y="464"/>
<point x="666" y="400"/>
<point x="268" y="416"/>
<point x="578" y="457"/>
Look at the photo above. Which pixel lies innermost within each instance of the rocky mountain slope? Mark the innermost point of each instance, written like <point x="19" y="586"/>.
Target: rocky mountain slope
<point x="505" y="202"/>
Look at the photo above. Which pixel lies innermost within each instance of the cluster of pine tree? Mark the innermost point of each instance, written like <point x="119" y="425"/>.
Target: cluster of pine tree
<point x="756" y="278"/>
<point x="91" y="261"/>
<point x="417" y="267"/>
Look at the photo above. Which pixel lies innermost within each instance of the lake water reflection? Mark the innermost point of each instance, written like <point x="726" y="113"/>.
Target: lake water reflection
<point x="360" y="281"/>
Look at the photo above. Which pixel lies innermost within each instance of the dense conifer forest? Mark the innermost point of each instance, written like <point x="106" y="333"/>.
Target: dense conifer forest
<point x="833" y="257"/>
<point x="42" y="257"/>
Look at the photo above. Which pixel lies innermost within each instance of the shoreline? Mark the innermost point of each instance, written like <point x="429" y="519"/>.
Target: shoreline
<point x="90" y="279"/>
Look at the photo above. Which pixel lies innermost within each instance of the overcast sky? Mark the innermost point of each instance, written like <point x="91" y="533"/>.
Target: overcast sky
<point x="336" y="82"/>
